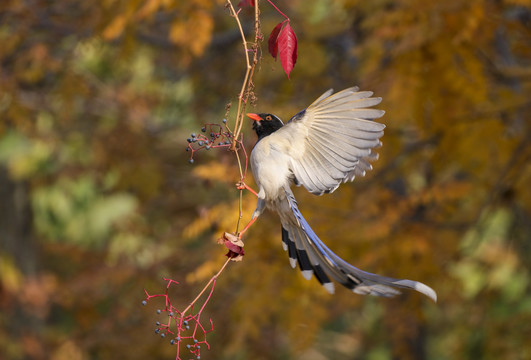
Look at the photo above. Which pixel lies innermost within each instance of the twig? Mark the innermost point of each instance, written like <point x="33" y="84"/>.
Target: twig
<point x="212" y="279"/>
<point x="277" y="9"/>
<point x="235" y="144"/>
<point x="247" y="80"/>
<point x="244" y="94"/>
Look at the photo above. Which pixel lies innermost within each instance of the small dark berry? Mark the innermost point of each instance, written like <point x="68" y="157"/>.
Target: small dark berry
<point x="157" y="331"/>
<point x="220" y="143"/>
<point x="212" y="134"/>
<point x="188" y="346"/>
<point x="194" y="140"/>
<point x="178" y="338"/>
<point x="189" y="140"/>
<point x="187" y="327"/>
<point x="185" y="322"/>
<point x="200" y="143"/>
<point x="195" y="341"/>
<point x="158" y="311"/>
<point x="172" y="342"/>
<point x="203" y="129"/>
<point x="194" y="135"/>
<point x="198" y="357"/>
<point x="207" y="147"/>
<point x="171" y="313"/>
<point x="224" y="121"/>
<point x="157" y="323"/>
<point x="191" y="161"/>
<point x="162" y="335"/>
<point x="198" y="346"/>
<point x="187" y="149"/>
<point x="144" y="302"/>
<point x="227" y="142"/>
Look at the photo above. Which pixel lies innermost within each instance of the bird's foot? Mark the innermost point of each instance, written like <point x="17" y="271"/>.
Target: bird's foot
<point x="243" y="186"/>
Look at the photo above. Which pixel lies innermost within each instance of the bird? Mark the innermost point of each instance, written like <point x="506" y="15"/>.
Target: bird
<point x="330" y="142"/>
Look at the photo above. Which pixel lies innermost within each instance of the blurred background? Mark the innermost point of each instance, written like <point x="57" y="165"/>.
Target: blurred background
<point x="98" y="201"/>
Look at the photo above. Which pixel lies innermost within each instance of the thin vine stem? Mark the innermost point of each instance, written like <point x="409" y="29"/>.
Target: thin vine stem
<point x="247" y="81"/>
<point x="244" y="94"/>
<point x="277" y="9"/>
<point x="213" y="278"/>
<point x="236" y="146"/>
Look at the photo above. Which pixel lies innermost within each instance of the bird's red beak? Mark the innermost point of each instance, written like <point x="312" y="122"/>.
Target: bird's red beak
<point x="255" y="117"/>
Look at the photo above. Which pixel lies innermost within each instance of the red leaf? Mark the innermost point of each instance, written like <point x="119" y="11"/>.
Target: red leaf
<point x="273" y="40"/>
<point x="287" y="48"/>
<point x="245" y="3"/>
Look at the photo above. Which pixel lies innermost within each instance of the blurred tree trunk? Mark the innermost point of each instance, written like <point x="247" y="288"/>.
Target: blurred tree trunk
<point x="16" y="238"/>
<point x="17" y="245"/>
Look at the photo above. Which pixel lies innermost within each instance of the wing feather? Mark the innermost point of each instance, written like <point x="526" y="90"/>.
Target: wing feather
<point x="341" y="146"/>
<point x="349" y="94"/>
<point x="334" y="137"/>
<point x="335" y="170"/>
<point x="303" y="178"/>
<point x="327" y="152"/>
<point x="346" y="109"/>
<point x="347" y="121"/>
<point x="354" y="142"/>
<point x="315" y="173"/>
<point x="353" y="132"/>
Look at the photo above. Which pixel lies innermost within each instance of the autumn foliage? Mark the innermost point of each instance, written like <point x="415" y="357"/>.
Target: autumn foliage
<point x="283" y="43"/>
<point x="99" y="200"/>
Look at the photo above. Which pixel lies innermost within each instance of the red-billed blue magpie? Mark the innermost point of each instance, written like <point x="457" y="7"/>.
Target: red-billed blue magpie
<point x="328" y="143"/>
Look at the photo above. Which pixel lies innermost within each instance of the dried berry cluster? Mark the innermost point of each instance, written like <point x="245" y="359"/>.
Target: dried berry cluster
<point x="183" y="330"/>
<point x="214" y="136"/>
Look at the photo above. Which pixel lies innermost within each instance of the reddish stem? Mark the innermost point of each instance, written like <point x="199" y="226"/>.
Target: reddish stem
<point x="277" y="9"/>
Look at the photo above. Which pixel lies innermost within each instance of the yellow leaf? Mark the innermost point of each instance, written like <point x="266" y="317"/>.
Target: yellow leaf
<point x="68" y="350"/>
<point x="194" y="33"/>
<point x="149" y="8"/>
<point x="115" y="28"/>
<point x="10" y="277"/>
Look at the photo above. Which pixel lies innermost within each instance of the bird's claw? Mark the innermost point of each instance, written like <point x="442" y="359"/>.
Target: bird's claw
<point x="242" y="186"/>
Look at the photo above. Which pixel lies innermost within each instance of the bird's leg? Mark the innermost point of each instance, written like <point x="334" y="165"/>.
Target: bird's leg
<point x="242" y="186"/>
<point x="240" y="234"/>
<point x="260" y="205"/>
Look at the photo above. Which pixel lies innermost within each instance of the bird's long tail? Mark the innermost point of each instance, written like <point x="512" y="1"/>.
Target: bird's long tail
<point x="315" y="258"/>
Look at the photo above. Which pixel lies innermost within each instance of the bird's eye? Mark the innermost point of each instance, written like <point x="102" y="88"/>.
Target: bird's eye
<point x="269" y="118"/>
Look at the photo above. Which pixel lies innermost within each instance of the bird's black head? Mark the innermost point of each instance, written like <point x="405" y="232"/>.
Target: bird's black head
<point x="265" y="124"/>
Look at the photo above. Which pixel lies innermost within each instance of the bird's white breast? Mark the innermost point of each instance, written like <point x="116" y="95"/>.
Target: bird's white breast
<point x="270" y="166"/>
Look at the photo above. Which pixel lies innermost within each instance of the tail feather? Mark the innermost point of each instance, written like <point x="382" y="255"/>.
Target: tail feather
<point x="290" y="246"/>
<point x="305" y="247"/>
<point x="298" y="253"/>
<point x="315" y="265"/>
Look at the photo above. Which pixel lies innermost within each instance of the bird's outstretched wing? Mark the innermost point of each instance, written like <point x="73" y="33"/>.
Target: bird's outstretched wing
<point x="315" y="258"/>
<point x="333" y="139"/>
